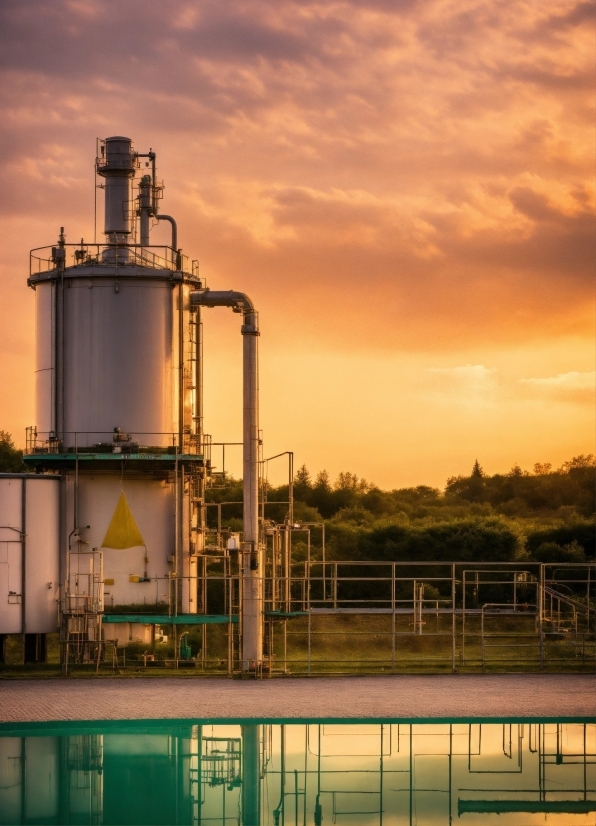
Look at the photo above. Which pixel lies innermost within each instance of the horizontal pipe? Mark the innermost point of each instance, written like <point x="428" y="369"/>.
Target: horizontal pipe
<point x="223" y="298"/>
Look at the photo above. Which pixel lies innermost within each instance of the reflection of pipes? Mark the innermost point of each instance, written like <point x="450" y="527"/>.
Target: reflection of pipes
<point x="318" y="807"/>
<point x="282" y="792"/>
<point x="252" y="596"/>
<point x="251" y="781"/>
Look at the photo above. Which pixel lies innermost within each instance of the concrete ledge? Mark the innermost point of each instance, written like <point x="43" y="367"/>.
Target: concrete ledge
<point x="410" y="697"/>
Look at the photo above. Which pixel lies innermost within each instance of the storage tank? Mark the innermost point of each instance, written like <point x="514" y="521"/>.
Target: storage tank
<point x="29" y="553"/>
<point x="116" y="380"/>
<point x="118" y="355"/>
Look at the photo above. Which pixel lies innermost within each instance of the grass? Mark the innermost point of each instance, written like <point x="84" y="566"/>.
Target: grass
<point x="345" y="644"/>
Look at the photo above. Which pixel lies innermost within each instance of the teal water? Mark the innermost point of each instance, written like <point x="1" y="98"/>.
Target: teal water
<point x="509" y="773"/>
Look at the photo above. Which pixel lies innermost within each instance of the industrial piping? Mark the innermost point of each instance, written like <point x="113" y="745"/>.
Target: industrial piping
<point x="174" y="229"/>
<point x="147" y="210"/>
<point x="252" y="562"/>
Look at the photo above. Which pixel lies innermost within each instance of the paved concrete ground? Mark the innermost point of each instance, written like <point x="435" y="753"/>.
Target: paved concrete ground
<point x="396" y="697"/>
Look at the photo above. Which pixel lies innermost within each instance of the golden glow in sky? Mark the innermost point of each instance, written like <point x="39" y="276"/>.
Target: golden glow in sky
<point x="405" y="189"/>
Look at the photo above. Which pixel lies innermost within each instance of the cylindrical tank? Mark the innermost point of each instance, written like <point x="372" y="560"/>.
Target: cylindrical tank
<point x="114" y="361"/>
<point x="29" y="553"/>
<point x="119" y="359"/>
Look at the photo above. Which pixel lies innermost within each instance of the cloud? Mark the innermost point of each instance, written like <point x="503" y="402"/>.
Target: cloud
<point x="437" y="153"/>
<point x="573" y="387"/>
<point x="471" y="386"/>
<point x="385" y="178"/>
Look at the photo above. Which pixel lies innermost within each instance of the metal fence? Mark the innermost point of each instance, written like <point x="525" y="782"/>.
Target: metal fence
<point x="393" y="617"/>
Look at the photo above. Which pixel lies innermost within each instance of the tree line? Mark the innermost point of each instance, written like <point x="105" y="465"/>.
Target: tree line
<point x="546" y="515"/>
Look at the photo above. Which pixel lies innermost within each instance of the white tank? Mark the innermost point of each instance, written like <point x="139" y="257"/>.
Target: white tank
<point x="29" y="541"/>
<point x="139" y="575"/>
<point x="118" y="359"/>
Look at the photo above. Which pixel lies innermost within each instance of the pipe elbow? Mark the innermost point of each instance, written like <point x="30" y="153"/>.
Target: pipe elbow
<point x="172" y="221"/>
<point x="239" y="302"/>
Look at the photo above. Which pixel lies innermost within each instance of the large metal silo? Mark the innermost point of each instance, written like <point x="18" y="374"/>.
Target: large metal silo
<point x="116" y="380"/>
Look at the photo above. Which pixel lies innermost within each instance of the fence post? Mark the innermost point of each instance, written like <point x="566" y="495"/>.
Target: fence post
<point x="453" y="623"/>
<point x="393" y="618"/>
<point x="540" y="613"/>
<point x="482" y="637"/>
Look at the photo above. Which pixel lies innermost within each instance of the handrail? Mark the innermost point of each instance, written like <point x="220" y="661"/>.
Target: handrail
<point x="152" y="256"/>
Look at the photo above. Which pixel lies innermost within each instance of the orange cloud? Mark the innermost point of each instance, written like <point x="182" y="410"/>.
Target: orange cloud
<point x="385" y="177"/>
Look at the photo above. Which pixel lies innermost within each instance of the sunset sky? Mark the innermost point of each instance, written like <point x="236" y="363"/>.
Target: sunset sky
<point x="405" y="189"/>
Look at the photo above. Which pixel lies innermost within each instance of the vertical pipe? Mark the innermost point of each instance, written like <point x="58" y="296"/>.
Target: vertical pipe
<point x="291" y="488"/>
<point x="252" y="631"/>
<point x="453" y="625"/>
<point x="287" y="569"/>
<point x="393" y="617"/>
<point x="177" y="564"/>
<point x="540" y="612"/>
<point x="463" y="620"/>
<point x="482" y="636"/>
<point x="309" y="624"/>
<point x="23" y="561"/>
<point x="145" y="208"/>
<point x="181" y="356"/>
<point x="252" y="556"/>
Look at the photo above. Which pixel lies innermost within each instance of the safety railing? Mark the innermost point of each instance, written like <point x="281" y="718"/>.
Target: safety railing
<point x="115" y="441"/>
<point x="156" y="257"/>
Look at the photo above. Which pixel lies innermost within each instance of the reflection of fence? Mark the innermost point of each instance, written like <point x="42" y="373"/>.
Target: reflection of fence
<point x="390" y="773"/>
<point x="399" y="773"/>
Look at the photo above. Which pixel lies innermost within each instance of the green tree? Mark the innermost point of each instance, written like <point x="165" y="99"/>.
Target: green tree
<point x="322" y="480"/>
<point x="472" y="487"/>
<point x="477" y="471"/>
<point x="578" y="462"/>
<point x="553" y="553"/>
<point x="11" y="459"/>
<point x="302" y="477"/>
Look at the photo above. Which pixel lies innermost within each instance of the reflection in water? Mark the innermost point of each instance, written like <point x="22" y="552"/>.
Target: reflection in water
<point x="155" y="772"/>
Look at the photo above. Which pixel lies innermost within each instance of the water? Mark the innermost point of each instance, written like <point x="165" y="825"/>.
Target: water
<point x="196" y="772"/>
